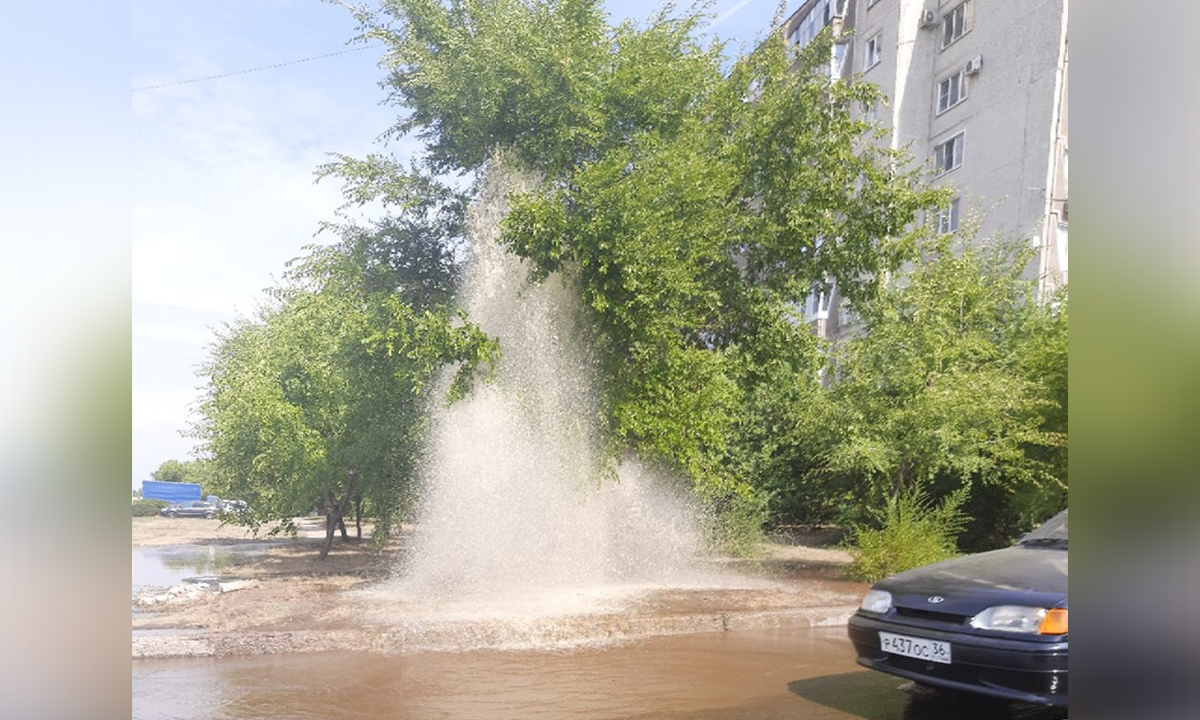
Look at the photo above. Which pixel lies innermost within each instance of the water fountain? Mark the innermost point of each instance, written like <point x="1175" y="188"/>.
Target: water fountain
<point x="515" y="506"/>
<point x="520" y="542"/>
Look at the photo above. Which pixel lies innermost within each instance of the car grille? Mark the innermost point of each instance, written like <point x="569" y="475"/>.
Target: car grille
<point x="931" y="616"/>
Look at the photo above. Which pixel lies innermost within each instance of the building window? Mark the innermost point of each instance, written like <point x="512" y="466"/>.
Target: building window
<point x="817" y="304"/>
<point x="1062" y="249"/>
<point x="839" y="60"/>
<point x="871" y="111"/>
<point x="820" y="15"/>
<point x="948" y="155"/>
<point x="874" y="51"/>
<point x="951" y="92"/>
<point x="755" y="91"/>
<point x="845" y="314"/>
<point x="954" y="24"/>
<point x="948" y="218"/>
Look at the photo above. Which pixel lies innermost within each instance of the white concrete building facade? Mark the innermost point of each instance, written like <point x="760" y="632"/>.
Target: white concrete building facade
<point x="978" y="90"/>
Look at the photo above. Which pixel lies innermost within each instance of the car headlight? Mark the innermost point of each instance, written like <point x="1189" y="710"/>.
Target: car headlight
<point x="877" y="601"/>
<point x="1022" y="619"/>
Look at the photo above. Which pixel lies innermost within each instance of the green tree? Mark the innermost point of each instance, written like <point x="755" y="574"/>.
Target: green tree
<point x="949" y="382"/>
<point x="694" y="208"/>
<point x="319" y="400"/>
<point x="169" y="471"/>
<point x="191" y="471"/>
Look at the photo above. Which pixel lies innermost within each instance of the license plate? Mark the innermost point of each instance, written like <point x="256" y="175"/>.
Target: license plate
<point x="919" y="648"/>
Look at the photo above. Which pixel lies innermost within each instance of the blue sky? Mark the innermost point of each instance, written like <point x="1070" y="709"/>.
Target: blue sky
<point x="223" y="191"/>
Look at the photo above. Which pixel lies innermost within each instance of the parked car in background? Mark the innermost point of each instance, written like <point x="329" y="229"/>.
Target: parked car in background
<point x="235" y="508"/>
<point x="191" y="508"/>
<point x="993" y="623"/>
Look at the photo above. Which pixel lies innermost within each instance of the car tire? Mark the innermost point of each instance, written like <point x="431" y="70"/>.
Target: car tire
<point x="209" y="516"/>
<point x="172" y="514"/>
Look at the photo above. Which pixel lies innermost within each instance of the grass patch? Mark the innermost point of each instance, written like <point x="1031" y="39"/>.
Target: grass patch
<point x="147" y="507"/>
<point x="910" y="531"/>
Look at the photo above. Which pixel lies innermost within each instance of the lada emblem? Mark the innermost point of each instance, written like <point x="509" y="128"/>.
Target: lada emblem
<point x="935" y="599"/>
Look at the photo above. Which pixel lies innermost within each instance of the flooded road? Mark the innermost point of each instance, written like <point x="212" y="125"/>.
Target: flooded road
<point x="805" y="673"/>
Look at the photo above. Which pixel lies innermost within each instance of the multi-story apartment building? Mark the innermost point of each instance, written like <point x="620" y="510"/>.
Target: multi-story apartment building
<point x="978" y="90"/>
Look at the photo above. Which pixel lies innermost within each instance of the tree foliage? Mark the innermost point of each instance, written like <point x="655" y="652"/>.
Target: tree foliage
<point x="190" y="471"/>
<point x="696" y="208"/>
<point x="318" y="401"/>
<point x="957" y="377"/>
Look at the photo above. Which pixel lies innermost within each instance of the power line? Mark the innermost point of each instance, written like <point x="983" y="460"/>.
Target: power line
<point x="250" y="70"/>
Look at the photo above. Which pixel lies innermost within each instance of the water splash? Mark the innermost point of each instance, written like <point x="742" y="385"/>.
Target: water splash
<point x="514" y="511"/>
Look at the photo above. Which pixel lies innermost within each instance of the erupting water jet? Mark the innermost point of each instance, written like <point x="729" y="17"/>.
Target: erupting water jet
<point x="513" y="507"/>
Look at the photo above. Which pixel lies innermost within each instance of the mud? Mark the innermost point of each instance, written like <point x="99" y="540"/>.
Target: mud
<point x="802" y="673"/>
<point x="297" y="603"/>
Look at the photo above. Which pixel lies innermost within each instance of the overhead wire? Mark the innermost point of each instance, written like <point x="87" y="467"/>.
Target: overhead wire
<point x="251" y="70"/>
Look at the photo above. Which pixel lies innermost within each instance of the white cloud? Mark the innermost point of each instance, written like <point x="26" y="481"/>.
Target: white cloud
<point x="224" y="198"/>
<point x="155" y="404"/>
<point x="728" y="13"/>
<point x="184" y="334"/>
<point x="226" y="193"/>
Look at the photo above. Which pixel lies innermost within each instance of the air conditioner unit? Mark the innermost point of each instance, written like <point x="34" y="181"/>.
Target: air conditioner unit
<point x="974" y="65"/>
<point x="929" y="18"/>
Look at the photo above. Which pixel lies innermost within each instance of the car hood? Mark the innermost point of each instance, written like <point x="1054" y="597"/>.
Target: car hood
<point x="1016" y="575"/>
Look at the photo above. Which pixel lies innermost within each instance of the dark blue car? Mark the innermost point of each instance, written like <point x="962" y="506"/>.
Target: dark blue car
<point x="993" y="623"/>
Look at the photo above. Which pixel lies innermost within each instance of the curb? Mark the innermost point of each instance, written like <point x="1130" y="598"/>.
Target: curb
<point x="464" y="636"/>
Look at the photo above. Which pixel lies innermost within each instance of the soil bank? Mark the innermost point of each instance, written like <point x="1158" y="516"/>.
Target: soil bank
<point x="282" y="598"/>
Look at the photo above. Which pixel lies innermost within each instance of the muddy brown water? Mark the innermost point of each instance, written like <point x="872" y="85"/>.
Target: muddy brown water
<point x="784" y="673"/>
<point x="745" y="671"/>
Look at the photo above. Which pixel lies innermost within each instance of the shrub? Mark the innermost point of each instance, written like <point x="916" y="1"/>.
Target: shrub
<point x="733" y="516"/>
<point x="912" y="532"/>
<point x="148" y="506"/>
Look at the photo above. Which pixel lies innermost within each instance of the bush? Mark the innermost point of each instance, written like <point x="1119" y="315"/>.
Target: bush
<point x="912" y="532"/>
<point x="148" y="506"/>
<point x="734" y="517"/>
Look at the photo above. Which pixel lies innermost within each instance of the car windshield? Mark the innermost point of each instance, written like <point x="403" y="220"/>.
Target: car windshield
<point x="1051" y="532"/>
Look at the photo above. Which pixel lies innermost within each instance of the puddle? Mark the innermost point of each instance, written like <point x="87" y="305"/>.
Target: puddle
<point x="787" y="674"/>
<point x="164" y="566"/>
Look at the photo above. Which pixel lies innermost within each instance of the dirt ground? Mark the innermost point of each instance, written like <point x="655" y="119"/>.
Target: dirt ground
<point x="285" y="599"/>
<point x="282" y="588"/>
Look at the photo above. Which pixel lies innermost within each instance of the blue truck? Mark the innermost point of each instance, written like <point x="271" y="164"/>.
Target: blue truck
<point x="171" y="491"/>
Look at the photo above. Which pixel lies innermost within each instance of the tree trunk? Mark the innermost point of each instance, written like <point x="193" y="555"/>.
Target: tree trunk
<point x="900" y="481"/>
<point x="358" y="517"/>
<point x="330" y="524"/>
<point x="334" y="510"/>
